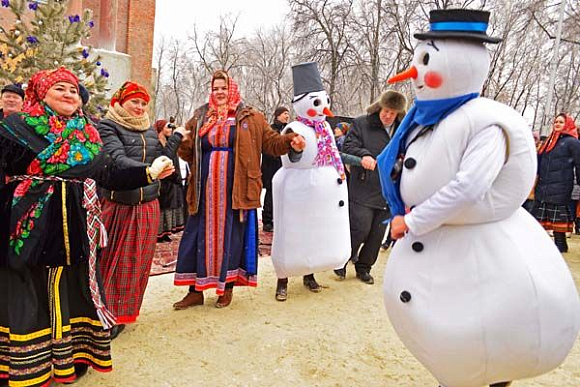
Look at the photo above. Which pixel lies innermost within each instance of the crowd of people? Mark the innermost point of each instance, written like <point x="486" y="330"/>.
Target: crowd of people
<point x="110" y="190"/>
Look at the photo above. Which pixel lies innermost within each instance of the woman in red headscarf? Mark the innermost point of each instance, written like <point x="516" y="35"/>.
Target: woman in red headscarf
<point x="131" y="216"/>
<point x="53" y="317"/>
<point x="219" y="245"/>
<point x="558" y="163"/>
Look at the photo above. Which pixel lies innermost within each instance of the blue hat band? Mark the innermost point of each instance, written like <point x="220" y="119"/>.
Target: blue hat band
<point x="459" y="26"/>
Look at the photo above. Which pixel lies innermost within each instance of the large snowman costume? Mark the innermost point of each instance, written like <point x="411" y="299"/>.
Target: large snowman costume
<point x="311" y="232"/>
<point x="476" y="290"/>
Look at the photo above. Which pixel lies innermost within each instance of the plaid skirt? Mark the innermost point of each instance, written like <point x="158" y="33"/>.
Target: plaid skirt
<point x="126" y="261"/>
<point x="553" y="217"/>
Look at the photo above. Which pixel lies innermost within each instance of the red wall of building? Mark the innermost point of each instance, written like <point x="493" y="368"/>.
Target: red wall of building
<point x="134" y="31"/>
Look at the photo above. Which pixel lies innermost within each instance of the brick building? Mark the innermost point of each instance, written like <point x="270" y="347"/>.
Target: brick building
<point x="122" y="35"/>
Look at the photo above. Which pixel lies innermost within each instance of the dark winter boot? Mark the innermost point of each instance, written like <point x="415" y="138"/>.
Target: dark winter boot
<point x="341" y="273"/>
<point x="282" y="289"/>
<point x="311" y="284"/>
<point x="560" y="241"/>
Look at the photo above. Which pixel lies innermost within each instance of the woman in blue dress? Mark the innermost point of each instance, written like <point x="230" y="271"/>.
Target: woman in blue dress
<point x="219" y="245"/>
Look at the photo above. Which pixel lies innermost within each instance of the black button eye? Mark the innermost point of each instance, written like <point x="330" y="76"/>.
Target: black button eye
<point x="426" y="59"/>
<point x="328" y="100"/>
<point x="317" y="102"/>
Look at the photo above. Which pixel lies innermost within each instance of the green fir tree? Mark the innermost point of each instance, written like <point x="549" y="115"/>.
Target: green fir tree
<point x="43" y="36"/>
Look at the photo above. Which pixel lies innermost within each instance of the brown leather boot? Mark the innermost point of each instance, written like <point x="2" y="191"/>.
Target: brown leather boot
<point x="282" y="289"/>
<point x="190" y="299"/>
<point x="226" y="299"/>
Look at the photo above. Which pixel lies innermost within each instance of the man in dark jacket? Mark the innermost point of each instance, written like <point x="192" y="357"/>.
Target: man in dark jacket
<point x="270" y="165"/>
<point x="369" y="135"/>
<point x="12" y="98"/>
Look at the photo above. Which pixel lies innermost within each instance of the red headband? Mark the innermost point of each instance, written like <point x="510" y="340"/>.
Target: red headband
<point x="128" y="91"/>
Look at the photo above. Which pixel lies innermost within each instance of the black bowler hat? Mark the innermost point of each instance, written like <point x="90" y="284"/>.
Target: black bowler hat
<point x="459" y="24"/>
<point x="13" y="88"/>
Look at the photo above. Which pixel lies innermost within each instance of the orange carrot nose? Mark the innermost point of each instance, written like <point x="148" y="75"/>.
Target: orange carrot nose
<point x="327" y="112"/>
<point x="410" y="73"/>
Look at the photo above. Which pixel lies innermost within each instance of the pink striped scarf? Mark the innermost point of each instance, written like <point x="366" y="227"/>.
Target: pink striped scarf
<point x="327" y="151"/>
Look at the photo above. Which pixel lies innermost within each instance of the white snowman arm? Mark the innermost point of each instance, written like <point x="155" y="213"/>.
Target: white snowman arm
<point x="478" y="169"/>
<point x="293" y="156"/>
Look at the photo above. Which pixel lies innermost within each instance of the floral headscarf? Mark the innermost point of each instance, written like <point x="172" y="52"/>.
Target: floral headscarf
<point x="73" y="143"/>
<point x="569" y="129"/>
<point x="73" y="140"/>
<point x="41" y="82"/>
<point x="220" y="113"/>
<point x="130" y="90"/>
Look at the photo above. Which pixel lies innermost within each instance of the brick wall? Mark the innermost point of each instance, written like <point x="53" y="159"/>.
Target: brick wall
<point x="141" y="22"/>
<point x="94" y="6"/>
<point x="134" y="32"/>
<point x="122" y="23"/>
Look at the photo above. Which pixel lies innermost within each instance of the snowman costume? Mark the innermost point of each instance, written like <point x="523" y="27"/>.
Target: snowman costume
<point x="311" y="232"/>
<point x="476" y="289"/>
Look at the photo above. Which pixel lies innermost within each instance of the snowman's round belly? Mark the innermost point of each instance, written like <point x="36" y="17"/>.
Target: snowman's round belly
<point x="485" y="303"/>
<point x="311" y="223"/>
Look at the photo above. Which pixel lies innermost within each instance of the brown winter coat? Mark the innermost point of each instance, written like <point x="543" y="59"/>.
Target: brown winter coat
<point x="253" y="134"/>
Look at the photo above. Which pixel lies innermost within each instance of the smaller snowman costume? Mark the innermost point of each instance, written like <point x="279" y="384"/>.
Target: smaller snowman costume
<point x="311" y="232"/>
<point x="476" y="290"/>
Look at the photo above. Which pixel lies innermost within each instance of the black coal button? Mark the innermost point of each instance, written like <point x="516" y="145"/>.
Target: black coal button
<point x="405" y="296"/>
<point x="410" y="163"/>
<point x="417" y="247"/>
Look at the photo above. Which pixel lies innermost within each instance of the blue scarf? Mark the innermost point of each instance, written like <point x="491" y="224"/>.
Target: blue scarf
<point x="422" y="113"/>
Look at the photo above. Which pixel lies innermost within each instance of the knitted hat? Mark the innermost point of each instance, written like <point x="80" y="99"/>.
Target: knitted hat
<point x="13" y="88"/>
<point x="84" y="93"/>
<point x="279" y="110"/>
<point x="389" y="99"/>
<point x="344" y="127"/>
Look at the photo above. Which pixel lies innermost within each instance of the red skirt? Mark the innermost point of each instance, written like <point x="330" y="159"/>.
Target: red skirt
<point x="126" y="261"/>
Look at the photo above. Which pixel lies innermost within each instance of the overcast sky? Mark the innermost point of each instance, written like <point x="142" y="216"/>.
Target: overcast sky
<point x="175" y="18"/>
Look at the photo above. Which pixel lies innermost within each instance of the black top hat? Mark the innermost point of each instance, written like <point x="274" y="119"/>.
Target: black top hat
<point x="13" y="88"/>
<point x="306" y="78"/>
<point x="459" y="24"/>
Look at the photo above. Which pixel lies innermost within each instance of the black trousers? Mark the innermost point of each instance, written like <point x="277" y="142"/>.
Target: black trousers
<point x="268" y="209"/>
<point x="366" y="230"/>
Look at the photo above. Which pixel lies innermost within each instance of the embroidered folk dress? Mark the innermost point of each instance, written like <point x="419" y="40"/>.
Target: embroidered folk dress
<point x="219" y="244"/>
<point x="49" y="319"/>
